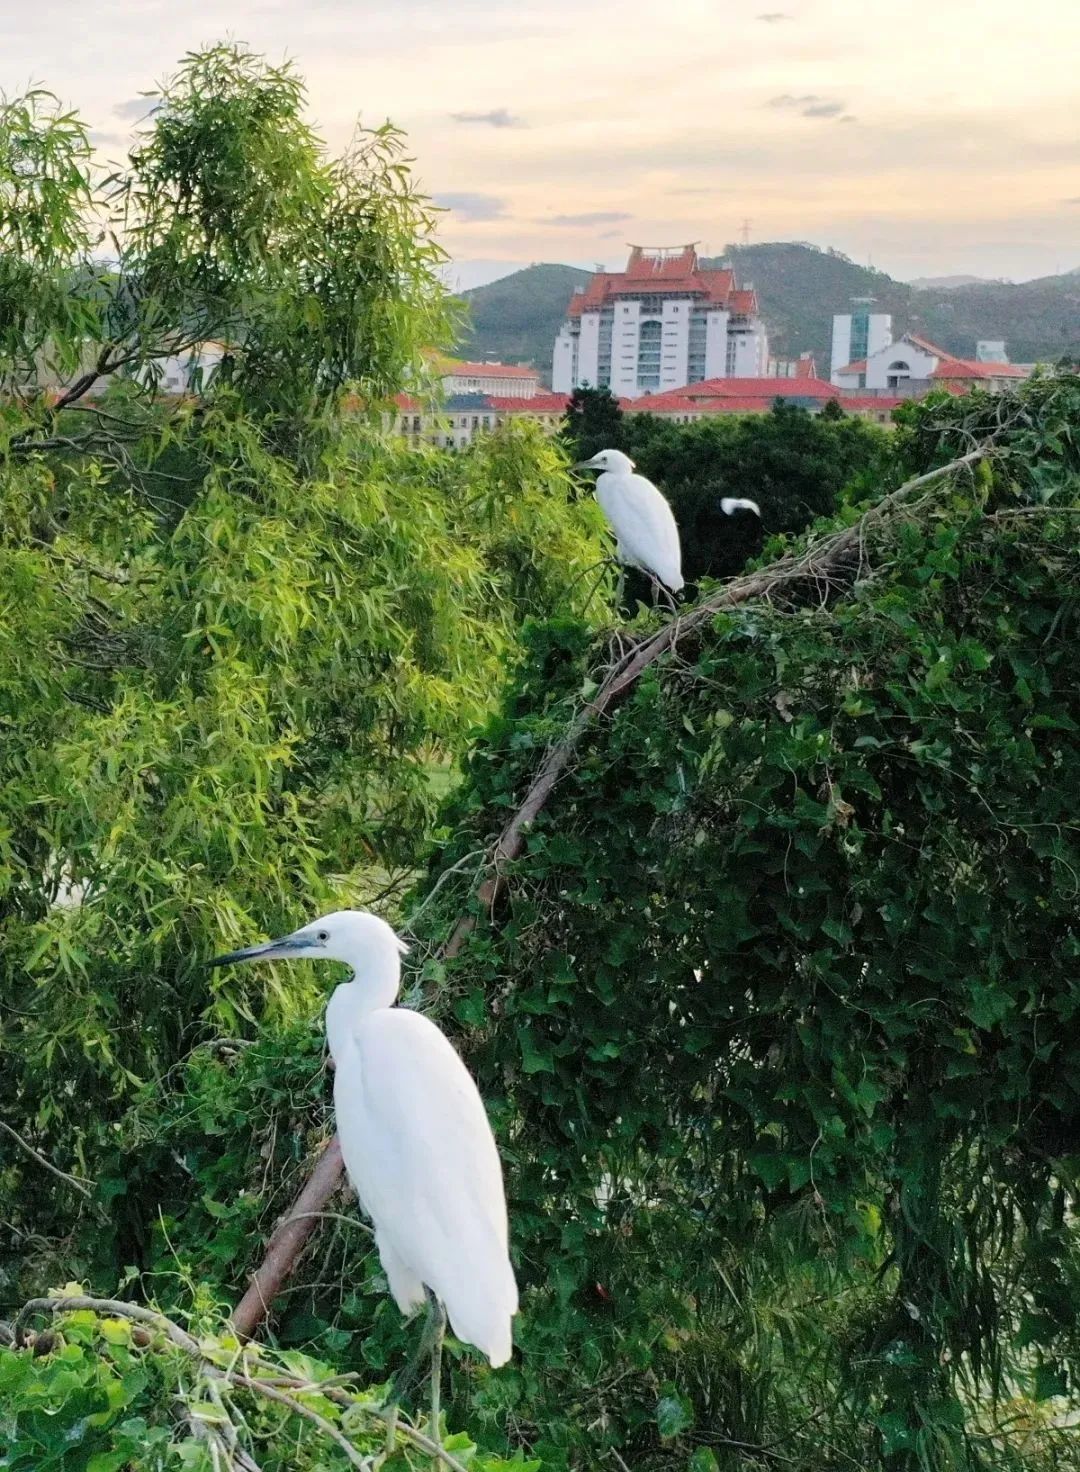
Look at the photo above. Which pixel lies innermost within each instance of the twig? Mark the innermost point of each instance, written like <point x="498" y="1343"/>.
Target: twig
<point x="333" y="1216"/>
<point x="76" y="1181"/>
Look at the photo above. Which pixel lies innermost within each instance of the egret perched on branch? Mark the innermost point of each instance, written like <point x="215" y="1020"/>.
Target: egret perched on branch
<point x="646" y="536"/>
<point x="415" y="1140"/>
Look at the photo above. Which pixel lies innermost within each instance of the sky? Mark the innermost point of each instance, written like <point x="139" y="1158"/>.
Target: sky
<point x="932" y="138"/>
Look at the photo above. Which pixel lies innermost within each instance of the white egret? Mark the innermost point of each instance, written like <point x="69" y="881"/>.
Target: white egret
<point x="415" y="1139"/>
<point x="646" y="536"/>
<point x="730" y="504"/>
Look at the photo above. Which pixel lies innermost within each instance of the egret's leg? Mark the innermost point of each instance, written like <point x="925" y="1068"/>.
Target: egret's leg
<point x="439" y="1315"/>
<point x="407" y="1377"/>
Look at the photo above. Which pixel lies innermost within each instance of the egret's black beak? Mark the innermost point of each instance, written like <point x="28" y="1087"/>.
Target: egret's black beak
<point x="583" y="465"/>
<point x="270" y="950"/>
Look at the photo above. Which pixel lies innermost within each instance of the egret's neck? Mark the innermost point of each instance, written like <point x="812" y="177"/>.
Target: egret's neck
<point x="375" y="983"/>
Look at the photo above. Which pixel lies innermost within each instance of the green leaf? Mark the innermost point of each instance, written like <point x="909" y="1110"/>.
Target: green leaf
<point x="674" y="1415"/>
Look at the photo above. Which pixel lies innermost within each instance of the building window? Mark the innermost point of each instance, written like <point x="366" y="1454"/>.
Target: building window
<point x="416" y="424"/>
<point x="648" y="358"/>
<point x="898" y="373"/>
<point x="860" y="336"/>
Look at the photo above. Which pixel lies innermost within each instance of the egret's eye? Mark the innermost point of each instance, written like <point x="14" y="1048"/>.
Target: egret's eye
<point x="323" y="935"/>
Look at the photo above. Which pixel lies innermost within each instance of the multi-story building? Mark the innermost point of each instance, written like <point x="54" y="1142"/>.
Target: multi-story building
<point x="858" y="334"/>
<point x="662" y="322"/>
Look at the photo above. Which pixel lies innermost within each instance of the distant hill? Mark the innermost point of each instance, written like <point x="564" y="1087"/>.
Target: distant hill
<point x="799" y="287"/>
<point x="515" y="319"/>
<point x="944" y="283"/>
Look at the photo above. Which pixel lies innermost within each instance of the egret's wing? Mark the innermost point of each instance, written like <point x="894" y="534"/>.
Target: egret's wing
<point x="419" y="1149"/>
<point x="645" y="526"/>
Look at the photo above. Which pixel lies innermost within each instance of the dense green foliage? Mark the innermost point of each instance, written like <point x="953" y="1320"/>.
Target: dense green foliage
<point x="243" y="639"/>
<point x="775" y="1018"/>
<point x="102" y="1387"/>
<point x="799" y="287"/>
<point x="780" y="1012"/>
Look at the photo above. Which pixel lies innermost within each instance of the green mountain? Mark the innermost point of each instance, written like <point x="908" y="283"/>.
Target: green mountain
<point x="515" y="319"/>
<point x="799" y="288"/>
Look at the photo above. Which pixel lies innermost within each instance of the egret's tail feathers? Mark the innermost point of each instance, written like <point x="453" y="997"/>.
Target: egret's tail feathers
<point x="481" y="1313"/>
<point x="731" y="504"/>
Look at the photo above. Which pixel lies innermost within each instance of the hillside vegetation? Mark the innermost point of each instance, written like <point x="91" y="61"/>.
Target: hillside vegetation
<point x="800" y="287"/>
<point x="516" y="318"/>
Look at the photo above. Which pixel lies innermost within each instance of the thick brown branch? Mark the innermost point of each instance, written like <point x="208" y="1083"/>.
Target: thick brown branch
<point x="288" y="1241"/>
<point x="821" y="558"/>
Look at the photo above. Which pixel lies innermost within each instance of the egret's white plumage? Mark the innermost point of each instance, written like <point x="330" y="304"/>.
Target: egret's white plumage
<point x="646" y="536"/>
<point x="414" y="1135"/>
<point x="730" y="504"/>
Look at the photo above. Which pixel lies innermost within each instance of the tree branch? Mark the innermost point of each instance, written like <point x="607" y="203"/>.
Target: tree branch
<point x="79" y="1184"/>
<point x="288" y="1241"/>
<point x="821" y="558"/>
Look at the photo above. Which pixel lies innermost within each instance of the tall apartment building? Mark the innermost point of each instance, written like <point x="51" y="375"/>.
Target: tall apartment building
<point x="858" y="334"/>
<point x="661" y="323"/>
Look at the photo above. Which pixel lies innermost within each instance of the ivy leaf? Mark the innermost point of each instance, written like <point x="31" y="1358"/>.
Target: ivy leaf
<point x="674" y="1415"/>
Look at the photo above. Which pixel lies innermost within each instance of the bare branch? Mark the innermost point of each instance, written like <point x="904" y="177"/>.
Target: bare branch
<point x="79" y="1184"/>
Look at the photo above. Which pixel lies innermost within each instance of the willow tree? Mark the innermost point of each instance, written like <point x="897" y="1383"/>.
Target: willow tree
<point x="243" y="638"/>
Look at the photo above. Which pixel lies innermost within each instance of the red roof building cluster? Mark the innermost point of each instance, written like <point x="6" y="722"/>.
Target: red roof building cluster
<point x="949" y="368"/>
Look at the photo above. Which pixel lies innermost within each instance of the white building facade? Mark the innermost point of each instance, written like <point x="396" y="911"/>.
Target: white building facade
<point x="912" y="366"/>
<point x="858" y="335"/>
<point x="661" y="323"/>
<point x="509" y="380"/>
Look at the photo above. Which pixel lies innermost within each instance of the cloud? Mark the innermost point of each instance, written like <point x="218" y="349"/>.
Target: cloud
<point x="473" y="208"/>
<point x="594" y="217"/>
<point x="107" y="140"/>
<point x="774" y="17"/>
<point x="809" y="105"/>
<point x="1075" y="199"/>
<point x="498" y="117"/>
<point x="137" y="107"/>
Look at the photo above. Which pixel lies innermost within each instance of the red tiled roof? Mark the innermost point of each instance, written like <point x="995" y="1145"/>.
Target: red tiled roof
<point x="859" y="366"/>
<point x="772" y="388"/>
<point x="926" y="346"/>
<point x="645" y="265"/>
<point x="650" y="275"/>
<point x="744" y="302"/>
<point x="967" y="368"/>
<point x="487" y="370"/>
<point x="870" y="401"/>
<point x="734" y="396"/>
<point x="806" y="367"/>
